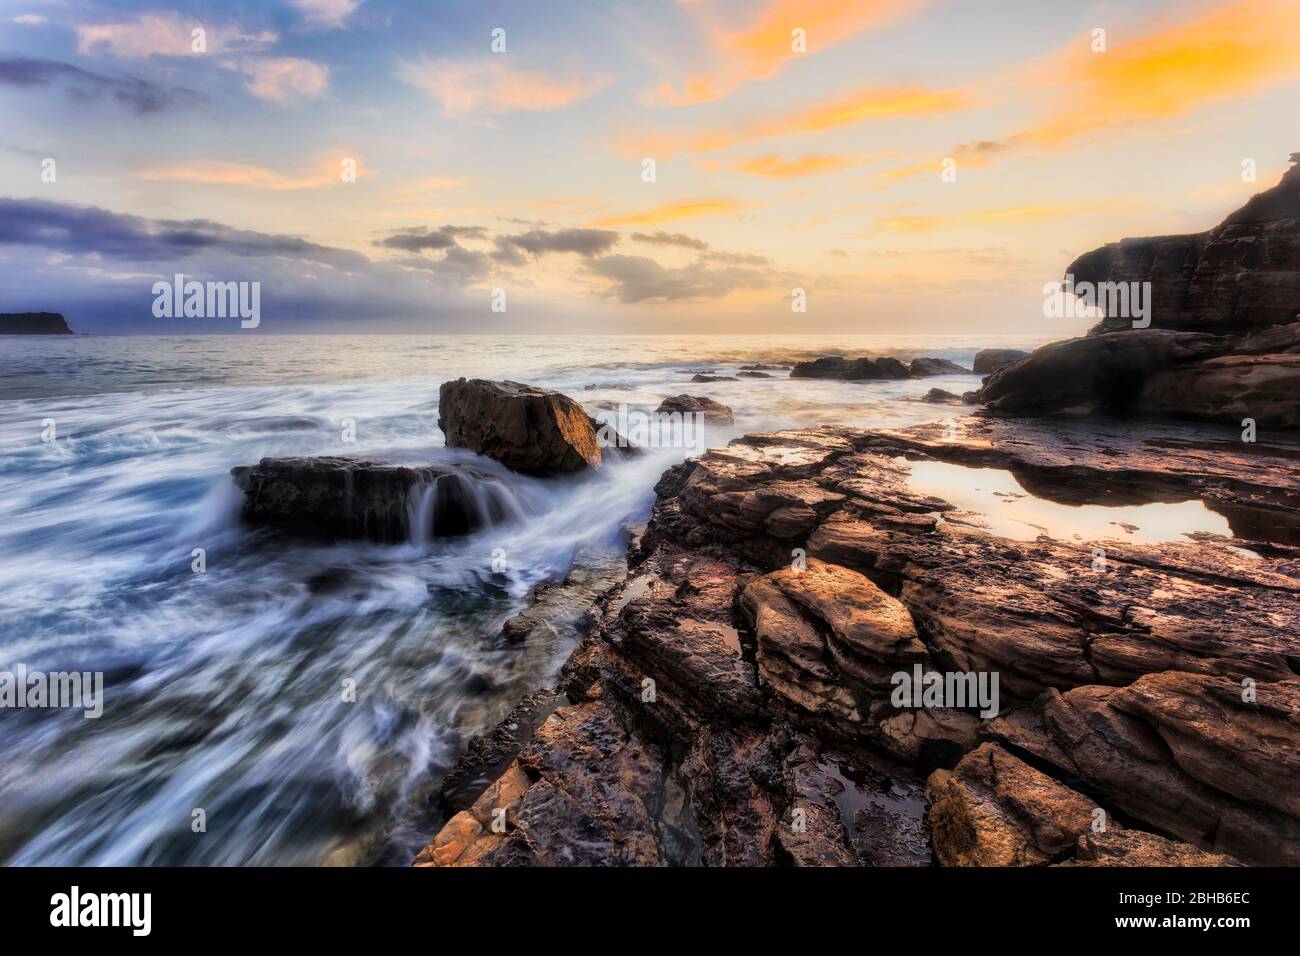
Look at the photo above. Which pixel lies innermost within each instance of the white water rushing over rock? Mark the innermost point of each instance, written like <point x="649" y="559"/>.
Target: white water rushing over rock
<point x="487" y="500"/>
<point x="223" y="689"/>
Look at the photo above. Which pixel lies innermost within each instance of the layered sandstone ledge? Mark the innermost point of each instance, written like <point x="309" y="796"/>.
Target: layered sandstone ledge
<point x="731" y="705"/>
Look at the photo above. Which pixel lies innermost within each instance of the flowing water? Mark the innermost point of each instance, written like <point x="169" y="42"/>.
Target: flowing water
<point x="225" y="690"/>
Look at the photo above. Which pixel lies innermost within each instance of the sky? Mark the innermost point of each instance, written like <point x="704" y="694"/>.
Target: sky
<point x="621" y="167"/>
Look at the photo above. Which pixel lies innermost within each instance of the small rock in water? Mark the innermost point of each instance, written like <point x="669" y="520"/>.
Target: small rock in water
<point x="713" y="411"/>
<point x="852" y="370"/>
<point x="923" y="367"/>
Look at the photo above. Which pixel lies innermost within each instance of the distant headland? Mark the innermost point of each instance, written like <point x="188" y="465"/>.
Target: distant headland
<point x="33" y="323"/>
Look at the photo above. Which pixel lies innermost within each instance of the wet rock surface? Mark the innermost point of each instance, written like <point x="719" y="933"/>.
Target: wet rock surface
<point x="733" y="703"/>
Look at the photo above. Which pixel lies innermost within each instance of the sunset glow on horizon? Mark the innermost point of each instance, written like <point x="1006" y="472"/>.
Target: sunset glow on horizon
<point x="678" y="167"/>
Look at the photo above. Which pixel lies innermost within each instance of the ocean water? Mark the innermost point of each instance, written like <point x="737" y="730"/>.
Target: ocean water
<point x="223" y="688"/>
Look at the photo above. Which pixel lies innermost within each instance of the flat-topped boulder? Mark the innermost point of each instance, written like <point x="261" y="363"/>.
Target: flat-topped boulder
<point x="993" y="809"/>
<point x="333" y="497"/>
<point x="1115" y="847"/>
<point x="531" y="430"/>
<point x="1230" y="388"/>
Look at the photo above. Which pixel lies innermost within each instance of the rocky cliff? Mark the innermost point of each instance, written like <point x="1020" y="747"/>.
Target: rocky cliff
<point x="1243" y="274"/>
<point x="1224" y="328"/>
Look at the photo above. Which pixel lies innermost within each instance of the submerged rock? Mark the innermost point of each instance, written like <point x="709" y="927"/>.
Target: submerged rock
<point x="712" y="411"/>
<point x="702" y="377"/>
<point x="940" y="396"/>
<point x="354" y="498"/>
<point x="531" y="430"/>
<point x="860" y="369"/>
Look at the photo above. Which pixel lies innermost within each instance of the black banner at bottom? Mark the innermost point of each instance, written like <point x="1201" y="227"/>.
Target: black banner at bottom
<point x="334" y="906"/>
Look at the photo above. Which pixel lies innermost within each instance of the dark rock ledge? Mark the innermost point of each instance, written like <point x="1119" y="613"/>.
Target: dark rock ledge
<point x="728" y="708"/>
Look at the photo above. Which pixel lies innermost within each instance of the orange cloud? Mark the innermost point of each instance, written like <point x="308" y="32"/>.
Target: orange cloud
<point x="1233" y="51"/>
<point x="859" y="107"/>
<point x="671" y="211"/>
<point x="466" y="87"/>
<point x="1169" y="70"/>
<point x="765" y="44"/>
<point x="908" y="224"/>
<point x="812" y="165"/>
<point x="967" y="156"/>
<point x="328" y="171"/>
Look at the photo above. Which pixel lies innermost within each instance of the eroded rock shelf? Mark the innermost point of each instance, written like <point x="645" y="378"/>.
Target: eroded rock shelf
<point x="732" y="706"/>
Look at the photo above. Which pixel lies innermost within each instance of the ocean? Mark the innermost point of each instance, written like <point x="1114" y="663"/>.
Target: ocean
<point x="222" y="701"/>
